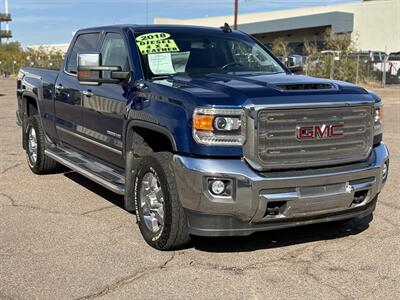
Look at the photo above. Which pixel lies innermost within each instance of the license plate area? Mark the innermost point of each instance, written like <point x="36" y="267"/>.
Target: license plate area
<point x="313" y="200"/>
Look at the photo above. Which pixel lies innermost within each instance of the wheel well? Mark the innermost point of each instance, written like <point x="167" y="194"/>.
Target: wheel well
<point x="31" y="106"/>
<point x="145" y="141"/>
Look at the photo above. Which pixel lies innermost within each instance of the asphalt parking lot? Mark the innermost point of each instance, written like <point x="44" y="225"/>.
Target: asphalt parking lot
<point x="64" y="237"/>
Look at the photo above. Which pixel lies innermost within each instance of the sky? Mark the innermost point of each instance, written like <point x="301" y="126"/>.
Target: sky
<point x="54" y="21"/>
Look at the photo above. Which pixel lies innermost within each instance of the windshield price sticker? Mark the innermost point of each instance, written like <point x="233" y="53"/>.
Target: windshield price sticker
<point x="154" y="36"/>
<point x="156" y="42"/>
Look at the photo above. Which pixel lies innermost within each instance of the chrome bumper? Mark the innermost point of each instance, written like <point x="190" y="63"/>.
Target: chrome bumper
<point x="276" y="199"/>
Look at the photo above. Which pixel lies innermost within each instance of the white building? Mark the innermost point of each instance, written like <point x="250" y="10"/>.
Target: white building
<point x="373" y="25"/>
<point x="63" y="48"/>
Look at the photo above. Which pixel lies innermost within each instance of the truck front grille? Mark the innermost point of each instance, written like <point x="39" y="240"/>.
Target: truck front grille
<point x="280" y="146"/>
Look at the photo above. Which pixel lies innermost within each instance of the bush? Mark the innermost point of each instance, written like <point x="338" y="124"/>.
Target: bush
<point x="347" y="66"/>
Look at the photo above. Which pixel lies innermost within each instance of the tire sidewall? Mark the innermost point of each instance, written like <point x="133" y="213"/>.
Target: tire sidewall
<point x="158" y="239"/>
<point x="33" y="123"/>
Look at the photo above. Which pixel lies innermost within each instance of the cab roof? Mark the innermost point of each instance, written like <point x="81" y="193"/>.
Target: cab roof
<point x="154" y="27"/>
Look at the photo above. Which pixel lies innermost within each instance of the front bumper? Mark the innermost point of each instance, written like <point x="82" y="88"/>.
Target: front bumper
<point x="269" y="200"/>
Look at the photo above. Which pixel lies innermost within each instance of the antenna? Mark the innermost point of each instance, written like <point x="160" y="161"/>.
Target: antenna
<point x="226" y="28"/>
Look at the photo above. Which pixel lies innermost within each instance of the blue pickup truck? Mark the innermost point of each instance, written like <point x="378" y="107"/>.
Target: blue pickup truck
<point x="204" y="131"/>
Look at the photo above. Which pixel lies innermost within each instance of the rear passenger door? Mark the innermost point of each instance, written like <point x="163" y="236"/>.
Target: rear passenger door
<point x="104" y="106"/>
<point x="68" y="97"/>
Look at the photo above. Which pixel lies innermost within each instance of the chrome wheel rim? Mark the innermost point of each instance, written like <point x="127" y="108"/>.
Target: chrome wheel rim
<point x="152" y="202"/>
<point x="32" y="146"/>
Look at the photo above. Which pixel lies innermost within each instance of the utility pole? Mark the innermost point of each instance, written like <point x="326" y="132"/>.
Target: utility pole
<point x="236" y="14"/>
<point x="384" y="64"/>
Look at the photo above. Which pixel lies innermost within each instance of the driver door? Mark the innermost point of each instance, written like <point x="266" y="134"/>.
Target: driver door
<point x="104" y="106"/>
<point x="68" y="96"/>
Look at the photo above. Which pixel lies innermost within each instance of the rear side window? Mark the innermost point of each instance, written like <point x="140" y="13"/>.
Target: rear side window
<point x="85" y="43"/>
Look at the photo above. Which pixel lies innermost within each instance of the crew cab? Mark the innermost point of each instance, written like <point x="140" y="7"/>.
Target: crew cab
<point x="204" y="131"/>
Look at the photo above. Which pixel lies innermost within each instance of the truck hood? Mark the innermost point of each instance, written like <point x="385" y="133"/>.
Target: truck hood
<point x="238" y="90"/>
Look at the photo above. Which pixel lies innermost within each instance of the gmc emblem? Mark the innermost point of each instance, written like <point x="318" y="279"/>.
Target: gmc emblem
<point x="318" y="132"/>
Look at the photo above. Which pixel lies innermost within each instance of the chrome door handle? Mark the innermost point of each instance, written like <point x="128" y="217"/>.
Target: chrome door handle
<point x="87" y="93"/>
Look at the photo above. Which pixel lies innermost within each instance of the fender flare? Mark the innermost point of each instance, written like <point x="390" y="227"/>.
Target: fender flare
<point x="150" y="126"/>
<point x="131" y="161"/>
<point x="27" y="94"/>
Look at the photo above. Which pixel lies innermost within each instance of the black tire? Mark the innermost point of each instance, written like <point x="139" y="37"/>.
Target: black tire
<point x="174" y="232"/>
<point x="42" y="164"/>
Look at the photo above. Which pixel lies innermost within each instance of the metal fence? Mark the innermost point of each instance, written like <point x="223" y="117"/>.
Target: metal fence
<point x="355" y="67"/>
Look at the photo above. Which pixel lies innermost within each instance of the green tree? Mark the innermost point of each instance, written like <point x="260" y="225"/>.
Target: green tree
<point x="13" y="57"/>
<point x="338" y="60"/>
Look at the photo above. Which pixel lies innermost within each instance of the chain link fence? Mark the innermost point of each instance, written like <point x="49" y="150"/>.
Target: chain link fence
<point x="360" y="68"/>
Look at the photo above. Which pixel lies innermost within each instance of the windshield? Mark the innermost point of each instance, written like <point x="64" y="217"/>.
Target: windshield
<point x="173" y="53"/>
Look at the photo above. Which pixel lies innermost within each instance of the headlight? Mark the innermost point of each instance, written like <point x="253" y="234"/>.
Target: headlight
<point x="219" y="126"/>
<point x="378" y="120"/>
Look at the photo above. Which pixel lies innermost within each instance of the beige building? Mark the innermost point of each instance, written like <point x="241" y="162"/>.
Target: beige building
<point x="373" y="25"/>
<point x="63" y="48"/>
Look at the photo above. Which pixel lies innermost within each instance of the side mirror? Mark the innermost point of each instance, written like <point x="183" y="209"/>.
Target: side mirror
<point x="295" y="64"/>
<point x="91" y="72"/>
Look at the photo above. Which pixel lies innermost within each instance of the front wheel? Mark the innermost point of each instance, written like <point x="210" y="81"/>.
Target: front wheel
<point x="161" y="218"/>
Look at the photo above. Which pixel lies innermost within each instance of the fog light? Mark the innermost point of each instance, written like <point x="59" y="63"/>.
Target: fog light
<point x="385" y="171"/>
<point x="217" y="187"/>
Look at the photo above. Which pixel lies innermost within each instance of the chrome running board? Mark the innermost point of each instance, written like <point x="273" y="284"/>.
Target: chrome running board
<point x="99" y="173"/>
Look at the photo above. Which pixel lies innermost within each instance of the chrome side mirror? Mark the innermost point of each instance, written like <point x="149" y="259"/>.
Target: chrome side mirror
<point x="295" y="64"/>
<point x="90" y="71"/>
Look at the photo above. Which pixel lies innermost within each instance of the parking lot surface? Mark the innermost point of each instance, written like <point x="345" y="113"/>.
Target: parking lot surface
<point x="64" y="237"/>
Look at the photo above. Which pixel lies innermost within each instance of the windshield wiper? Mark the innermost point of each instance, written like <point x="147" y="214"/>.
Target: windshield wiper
<point x="272" y="73"/>
<point x="161" y="77"/>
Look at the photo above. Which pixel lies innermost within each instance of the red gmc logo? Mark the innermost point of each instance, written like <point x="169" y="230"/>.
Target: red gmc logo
<point x="318" y="132"/>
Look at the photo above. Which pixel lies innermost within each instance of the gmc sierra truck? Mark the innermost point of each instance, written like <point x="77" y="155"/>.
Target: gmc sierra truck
<point x="204" y="131"/>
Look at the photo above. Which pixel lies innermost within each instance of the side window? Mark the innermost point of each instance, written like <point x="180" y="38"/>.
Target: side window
<point x="84" y="43"/>
<point x="114" y="52"/>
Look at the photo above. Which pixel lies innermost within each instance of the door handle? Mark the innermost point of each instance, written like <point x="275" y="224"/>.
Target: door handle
<point x="59" y="87"/>
<point x="88" y="93"/>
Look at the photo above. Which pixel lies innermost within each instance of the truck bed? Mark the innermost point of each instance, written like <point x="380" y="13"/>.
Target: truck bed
<point x="47" y="75"/>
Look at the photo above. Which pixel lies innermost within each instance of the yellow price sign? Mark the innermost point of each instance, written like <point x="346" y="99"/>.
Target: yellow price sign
<point x="156" y="42"/>
<point x="153" y="36"/>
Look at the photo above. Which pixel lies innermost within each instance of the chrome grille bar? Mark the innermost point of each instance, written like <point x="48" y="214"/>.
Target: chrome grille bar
<point x="278" y="147"/>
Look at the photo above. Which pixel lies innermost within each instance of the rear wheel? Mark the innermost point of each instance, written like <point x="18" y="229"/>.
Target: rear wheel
<point x="38" y="162"/>
<point x="161" y="218"/>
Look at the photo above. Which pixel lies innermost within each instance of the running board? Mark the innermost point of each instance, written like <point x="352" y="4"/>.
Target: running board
<point x="99" y="173"/>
